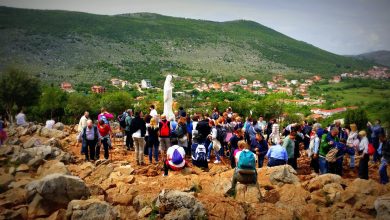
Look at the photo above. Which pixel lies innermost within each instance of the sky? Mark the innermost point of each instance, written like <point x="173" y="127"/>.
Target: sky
<point x="345" y="27"/>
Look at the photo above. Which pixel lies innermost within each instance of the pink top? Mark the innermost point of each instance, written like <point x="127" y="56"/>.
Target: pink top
<point x="108" y="116"/>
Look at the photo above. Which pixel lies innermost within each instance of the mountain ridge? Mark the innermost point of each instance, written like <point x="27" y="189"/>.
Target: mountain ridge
<point x="68" y="45"/>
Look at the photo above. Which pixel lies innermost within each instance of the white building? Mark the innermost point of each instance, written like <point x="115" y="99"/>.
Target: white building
<point x="146" y="84"/>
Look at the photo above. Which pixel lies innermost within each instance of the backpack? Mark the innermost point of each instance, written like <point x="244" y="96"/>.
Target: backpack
<point x="246" y="160"/>
<point x="221" y="134"/>
<point x="164" y="132"/>
<point x="371" y="149"/>
<point x="200" y="153"/>
<point x="104" y="118"/>
<point x="179" y="131"/>
<point x="176" y="157"/>
<point x="331" y="155"/>
<point x="122" y="120"/>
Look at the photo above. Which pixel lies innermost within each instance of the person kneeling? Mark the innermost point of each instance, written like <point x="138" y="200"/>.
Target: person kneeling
<point x="175" y="159"/>
<point x="277" y="155"/>
<point x="245" y="172"/>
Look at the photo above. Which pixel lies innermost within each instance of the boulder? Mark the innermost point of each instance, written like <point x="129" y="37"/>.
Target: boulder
<point x="280" y="175"/>
<point x="13" y="214"/>
<point x="292" y="196"/>
<point x="126" y="212"/>
<point x="124" y="170"/>
<point x="116" y="178"/>
<point x="57" y="215"/>
<point x="90" y="209"/>
<point x="143" y="199"/>
<point x="248" y="193"/>
<point x="145" y="212"/>
<point x="360" y="188"/>
<point x="21" y="130"/>
<point x="101" y="173"/>
<point x="382" y="207"/>
<point x="123" y="194"/>
<point x="268" y="211"/>
<point x="320" y="181"/>
<point x="174" y="200"/>
<point x="32" y="142"/>
<point x="332" y="192"/>
<point x="13" y="198"/>
<point x="53" y="142"/>
<point x="52" y="133"/>
<point x="58" y="188"/>
<point x="35" y="162"/>
<point x="222" y="208"/>
<point x="59" y="126"/>
<point x="179" y="214"/>
<point x="23" y="168"/>
<point x="51" y="167"/>
<point x="39" y="207"/>
<point x="5" y="180"/>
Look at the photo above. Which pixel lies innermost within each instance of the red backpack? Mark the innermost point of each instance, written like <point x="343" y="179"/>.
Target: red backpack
<point x="371" y="149"/>
<point x="164" y="132"/>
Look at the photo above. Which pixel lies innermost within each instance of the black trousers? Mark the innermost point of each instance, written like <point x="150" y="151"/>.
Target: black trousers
<point x="293" y="162"/>
<point x="363" y="167"/>
<point x="314" y="163"/>
<point x="129" y="140"/>
<point x="90" y="149"/>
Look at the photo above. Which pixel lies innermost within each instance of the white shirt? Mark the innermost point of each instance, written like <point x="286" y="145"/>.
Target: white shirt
<point x="170" y="154"/>
<point x="82" y="123"/>
<point x="153" y="113"/>
<point x="363" y="145"/>
<point x="137" y="134"/>
<point x="20" y="119"/>
<point x="50" y="123"/>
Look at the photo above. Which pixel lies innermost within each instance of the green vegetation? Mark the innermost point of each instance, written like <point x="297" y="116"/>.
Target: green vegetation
<point x="88" y="49"/>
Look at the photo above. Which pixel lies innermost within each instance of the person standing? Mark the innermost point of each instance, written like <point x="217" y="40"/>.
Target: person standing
<point x="89" y="137"/>
<point x="138" y="130"/>
<point x="363" y="151"/>
<point x="260" y="147"/>
<point x="129" y="138"/>
<point x="105" y="134"/>
<point x="3" y="134"/>
<point x="153" y="140"/>
<point x="376" y="132"/>
<point x="153" y="111"/>
<point x="353" y="143"/>
<point x="384" y="150"/>
<point x="289" y="145"/>
<point x="314" y="147"/>
<point x="83" y="121"/>
<point x="21" y="119"/>
<point x="181" y="132"/>
<point x="214" y="143"/>
<point x="275" y="135"/>
<point x="165" y="134"/>
<point x="328" y="141"/>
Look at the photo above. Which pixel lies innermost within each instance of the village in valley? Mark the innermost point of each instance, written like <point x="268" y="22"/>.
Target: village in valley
<point x="296" y="89"/>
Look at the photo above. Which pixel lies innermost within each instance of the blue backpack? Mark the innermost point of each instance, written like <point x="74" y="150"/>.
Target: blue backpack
<point x="104" y="118"/>
<point x="176" y="157"/>
<point x="246" y="160"/>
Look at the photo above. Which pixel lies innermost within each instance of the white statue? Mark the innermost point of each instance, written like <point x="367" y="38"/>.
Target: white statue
<point x="168" y="101"/>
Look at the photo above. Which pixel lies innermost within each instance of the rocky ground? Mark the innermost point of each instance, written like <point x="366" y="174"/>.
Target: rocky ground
<point x="43" y="176"/>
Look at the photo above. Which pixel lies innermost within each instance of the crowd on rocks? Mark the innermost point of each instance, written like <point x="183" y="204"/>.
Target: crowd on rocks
<point x="263" y="154"/>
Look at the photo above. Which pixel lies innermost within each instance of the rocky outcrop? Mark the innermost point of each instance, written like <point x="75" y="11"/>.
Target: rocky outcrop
<point x="382" y="207"/>
<point x="174" y="204"/>
<point x="90" y="209"/>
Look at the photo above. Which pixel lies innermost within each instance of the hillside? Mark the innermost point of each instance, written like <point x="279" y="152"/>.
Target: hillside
<point x="85" y="48"/>
<point x="380" y="56"/>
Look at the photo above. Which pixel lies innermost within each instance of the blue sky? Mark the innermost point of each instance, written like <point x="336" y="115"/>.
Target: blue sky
<point x="339" y="26"/>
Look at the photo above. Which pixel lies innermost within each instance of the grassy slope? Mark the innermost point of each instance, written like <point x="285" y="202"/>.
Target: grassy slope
<point x="72" y="45"/>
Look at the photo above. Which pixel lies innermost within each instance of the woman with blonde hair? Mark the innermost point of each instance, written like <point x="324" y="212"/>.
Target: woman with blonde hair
<point x="153" y="139"/>
<point x="363" y="150"/>
<point x="215" y="143"/>
<point x="352" y="142"/>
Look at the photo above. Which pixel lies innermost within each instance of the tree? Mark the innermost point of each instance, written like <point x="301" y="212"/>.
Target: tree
<point x="53" y="100"/>
<point x="116" y="102"/>
<point x="18" y="90"/>
<point x="77" y="104"/>
<point x="357" y="116"/>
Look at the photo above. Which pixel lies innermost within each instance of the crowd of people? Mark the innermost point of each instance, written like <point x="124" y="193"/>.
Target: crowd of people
<point x="199" y="139"/>
<point x="221" y="136"/>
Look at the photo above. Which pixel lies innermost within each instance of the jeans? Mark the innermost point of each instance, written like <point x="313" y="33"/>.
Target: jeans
<point x="260" y="161"/>
<point x="153" y="148"/>
<point x="139" y="144"/>
<point x="209" y="152"/>
<point x="273" y="162"/>
<point x="243" y="178"/>
<point x="323" y="165"/>
<point x="165" y="143"/>
<point x="351" y="161"/>
<point x="105" y="146"/>
<point x="384" y="178"/>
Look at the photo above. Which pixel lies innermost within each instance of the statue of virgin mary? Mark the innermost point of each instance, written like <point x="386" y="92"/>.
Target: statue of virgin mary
<point x="168" y="100"/>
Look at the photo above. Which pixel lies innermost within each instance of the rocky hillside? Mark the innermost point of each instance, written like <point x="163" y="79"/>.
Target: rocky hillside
<point x="42" y="175"/>
<point x="85" y="48"/>
<point x="380" y="56"/>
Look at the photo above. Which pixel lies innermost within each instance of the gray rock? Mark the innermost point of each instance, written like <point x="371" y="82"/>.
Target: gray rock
<point x="14" y="214"/>
<point x="58" y="188"/>
<point x="5" y="180"/>
<point x="174" y="200"/>
<point x="52" y="133"/>
<point x="59" y="126"/>
<point x="382" y="207"/>
<point x="51" y="167"/>
<point x="32" y="142"/>
<point x="91" y="209"/>
<point x="283" y="174"/>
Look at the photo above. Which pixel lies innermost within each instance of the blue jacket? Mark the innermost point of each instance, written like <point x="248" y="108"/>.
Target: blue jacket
<point x="262" y="147"/>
